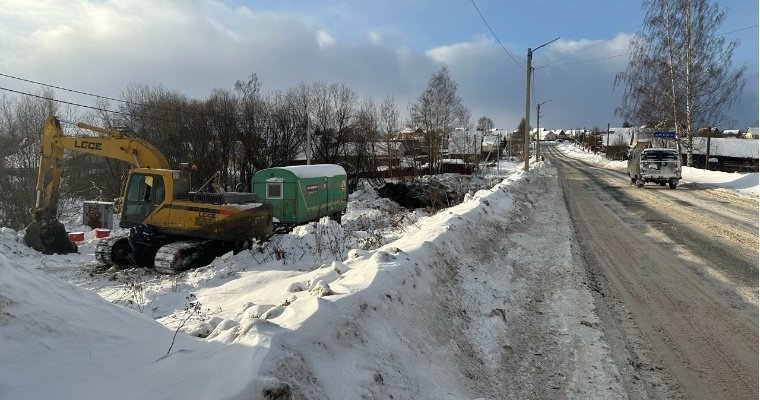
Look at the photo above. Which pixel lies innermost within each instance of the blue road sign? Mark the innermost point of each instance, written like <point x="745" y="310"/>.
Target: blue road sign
<point x="665" y="134"/>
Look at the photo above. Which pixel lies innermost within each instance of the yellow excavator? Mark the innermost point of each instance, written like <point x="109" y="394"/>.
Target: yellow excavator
<point x="171" y="227"/>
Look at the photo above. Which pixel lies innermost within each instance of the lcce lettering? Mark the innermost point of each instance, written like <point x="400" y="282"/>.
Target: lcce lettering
<point x="83" y="144"/>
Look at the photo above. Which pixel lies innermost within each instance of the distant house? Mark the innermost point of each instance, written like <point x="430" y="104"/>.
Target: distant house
<point x="544" y="134"/>
<point x="491" y="139"/>
<point x="752" y="133"/>
<point x="409" y="141"/>
<point x="726" y="154"/>
<point x="617" y="136"/>
<point x="728" y="133"/>
<point x="572" y="133"/>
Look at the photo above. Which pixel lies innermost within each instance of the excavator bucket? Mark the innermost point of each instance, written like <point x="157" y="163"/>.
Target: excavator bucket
<point x="49" y="237"/>
<point x="47" y="234"/>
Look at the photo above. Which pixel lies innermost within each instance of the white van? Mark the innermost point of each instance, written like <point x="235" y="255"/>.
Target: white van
<point x="657" y="165"/>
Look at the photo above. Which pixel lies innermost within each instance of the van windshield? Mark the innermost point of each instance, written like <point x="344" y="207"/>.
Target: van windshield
<point x="660" y="155"/>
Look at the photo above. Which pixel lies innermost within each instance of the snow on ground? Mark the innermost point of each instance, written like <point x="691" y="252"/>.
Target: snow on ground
<point x="742" y="184"/>
<point x="390" y="304"/>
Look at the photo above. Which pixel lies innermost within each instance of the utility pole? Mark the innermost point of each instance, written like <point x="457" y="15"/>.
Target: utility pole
<point x="538" y="130"/>
<point x="608" y="136"/>
<point x="528" y="71"/>
<point x="526" y="148"/>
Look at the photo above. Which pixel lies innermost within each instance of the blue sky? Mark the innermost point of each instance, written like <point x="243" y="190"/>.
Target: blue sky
<point x="378" y="48"/>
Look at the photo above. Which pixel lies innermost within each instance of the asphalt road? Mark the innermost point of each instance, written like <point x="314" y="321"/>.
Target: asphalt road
<point x="675" y="280"/>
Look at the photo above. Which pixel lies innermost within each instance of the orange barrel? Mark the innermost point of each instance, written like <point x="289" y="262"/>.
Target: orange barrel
<point x="101" y="232"/>
<point x="76" y="236"/>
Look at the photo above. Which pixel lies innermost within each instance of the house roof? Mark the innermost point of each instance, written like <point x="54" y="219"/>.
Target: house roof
<point x="727" y="147"/>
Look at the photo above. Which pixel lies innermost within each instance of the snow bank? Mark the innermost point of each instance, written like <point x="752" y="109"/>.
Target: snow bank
<point x="63" y="342"/>
<point x="390" y="328"/>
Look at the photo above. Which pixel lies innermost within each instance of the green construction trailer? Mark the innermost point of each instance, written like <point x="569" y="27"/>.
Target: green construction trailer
<point x="303" y="193"/>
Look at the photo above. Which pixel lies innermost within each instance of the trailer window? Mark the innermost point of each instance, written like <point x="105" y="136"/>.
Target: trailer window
<point x="274" y="190"/>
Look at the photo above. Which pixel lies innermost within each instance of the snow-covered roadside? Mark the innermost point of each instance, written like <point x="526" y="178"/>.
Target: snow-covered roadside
<point x="62" y="342"/>
<point x="448" y="309"/>
<point x="741" y="184"/>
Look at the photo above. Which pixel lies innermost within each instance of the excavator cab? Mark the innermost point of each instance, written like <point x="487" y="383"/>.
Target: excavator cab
<point x="150" y="190"/>
<point x="144" y="193"/>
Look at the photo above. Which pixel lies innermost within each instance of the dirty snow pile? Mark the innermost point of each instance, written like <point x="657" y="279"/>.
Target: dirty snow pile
<point x="743" y="184"/>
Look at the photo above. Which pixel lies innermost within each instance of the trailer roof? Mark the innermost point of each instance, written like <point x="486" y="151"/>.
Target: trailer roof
<point x="316" y="170"/>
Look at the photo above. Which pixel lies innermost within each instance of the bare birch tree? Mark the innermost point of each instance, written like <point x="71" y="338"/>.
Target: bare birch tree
<point x="679" y="70"/>
<point x="334" y="118"/>
<point x="389" y="126"/>
<point x="438" y="111"/>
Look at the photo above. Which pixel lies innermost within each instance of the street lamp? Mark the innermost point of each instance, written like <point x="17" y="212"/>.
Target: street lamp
<point x="526" y="148"/>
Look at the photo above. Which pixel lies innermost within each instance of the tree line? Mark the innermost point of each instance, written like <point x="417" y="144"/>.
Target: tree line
<point x="234" y="131"/>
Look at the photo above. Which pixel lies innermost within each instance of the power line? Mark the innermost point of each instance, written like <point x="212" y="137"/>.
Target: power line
<point x="494" y="35"/>
<point x="85" y="106"/>
<point x="98" y="96"/>
<point x="61" y="88"/>
<point x="737" y="30"/>
<point x="583" y="61"/>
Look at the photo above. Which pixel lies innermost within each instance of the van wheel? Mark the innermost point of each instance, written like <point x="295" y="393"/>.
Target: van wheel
<point x="673" y="183"/>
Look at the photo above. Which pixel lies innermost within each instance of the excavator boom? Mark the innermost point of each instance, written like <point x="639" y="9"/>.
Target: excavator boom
<point x="118" y="145"/>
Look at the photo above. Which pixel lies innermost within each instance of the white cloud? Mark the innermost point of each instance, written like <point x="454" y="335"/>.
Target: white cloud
<point x="324" y="39"/>
<point x="375" y="38"/>
<point x="451" y="53"/>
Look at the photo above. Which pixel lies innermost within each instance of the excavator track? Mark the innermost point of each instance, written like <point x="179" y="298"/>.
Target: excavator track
<point x="114" y="250"/>
<point x="179" y="256"/>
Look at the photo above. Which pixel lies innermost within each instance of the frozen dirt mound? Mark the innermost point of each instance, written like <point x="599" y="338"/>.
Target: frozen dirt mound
<point x="433" y="191"/>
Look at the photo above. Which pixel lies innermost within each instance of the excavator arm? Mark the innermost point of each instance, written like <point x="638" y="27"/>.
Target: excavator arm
<point x="117" y="145"/>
